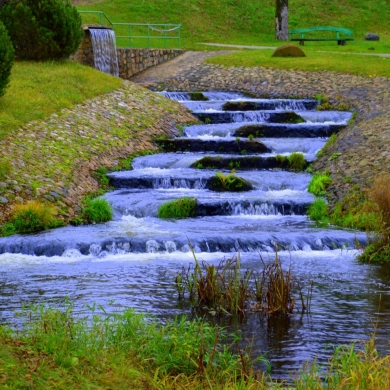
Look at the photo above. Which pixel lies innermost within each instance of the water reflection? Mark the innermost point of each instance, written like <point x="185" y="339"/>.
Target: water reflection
<point x="349" y="302"/>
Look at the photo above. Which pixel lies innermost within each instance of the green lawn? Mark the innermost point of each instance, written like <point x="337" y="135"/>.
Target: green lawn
<point x="38" y="89"/>
<point x="245" y="22"/>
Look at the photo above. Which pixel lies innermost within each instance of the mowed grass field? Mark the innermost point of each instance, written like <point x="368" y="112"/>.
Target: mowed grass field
<point x="246" y="22"/>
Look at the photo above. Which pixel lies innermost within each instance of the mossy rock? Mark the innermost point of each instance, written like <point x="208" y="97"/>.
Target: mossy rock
<point x="178" y="209"/>
<point x="254" y="130"/>
<point x="240" y="106"/>
<point x="198" y="145"/>
<point x="288" y="51"/>
<point x="197" y="96"/>
<point x="294" y="162"/>
<point x="228" y="183"/>
<point x="290" y="117"/>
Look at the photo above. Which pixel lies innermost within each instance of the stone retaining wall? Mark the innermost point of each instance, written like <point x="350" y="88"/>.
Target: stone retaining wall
<point x="134" y="61"/>
<point x="130" y="61"/>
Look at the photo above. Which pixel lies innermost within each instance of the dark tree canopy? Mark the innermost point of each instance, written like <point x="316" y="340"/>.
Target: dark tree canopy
<point x="281" y="20"/>
<point x="42" y="29"/>
<point x="6" y="58"/>
<point x="6" y="2"/>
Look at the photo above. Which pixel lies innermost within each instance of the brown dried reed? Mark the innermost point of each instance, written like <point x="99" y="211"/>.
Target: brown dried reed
<point x="379" y="194"/>
<point x="225" y="288"/>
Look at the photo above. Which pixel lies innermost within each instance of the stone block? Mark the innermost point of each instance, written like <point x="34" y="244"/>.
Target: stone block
<point x="371" y="37"/>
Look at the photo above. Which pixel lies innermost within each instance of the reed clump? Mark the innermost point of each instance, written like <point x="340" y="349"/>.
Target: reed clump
<point x="227" y="289"/>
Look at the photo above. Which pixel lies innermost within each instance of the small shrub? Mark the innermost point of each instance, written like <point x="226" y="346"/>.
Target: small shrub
<point x="318" y="211"/>
<point x="6" y="58"/>
<point x="319" y="183"/>
<point x="42" y="29"/>
<point x="180" y="208"/>
<point x="33" y="216"/>
<point x="97" y="210"/>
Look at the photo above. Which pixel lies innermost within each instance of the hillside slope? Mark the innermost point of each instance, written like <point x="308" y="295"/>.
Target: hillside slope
<point x="244" y="21"/>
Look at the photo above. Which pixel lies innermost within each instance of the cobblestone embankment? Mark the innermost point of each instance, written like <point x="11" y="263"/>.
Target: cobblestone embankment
<point x="54" y="160"/>
<point x="361" y="151"/>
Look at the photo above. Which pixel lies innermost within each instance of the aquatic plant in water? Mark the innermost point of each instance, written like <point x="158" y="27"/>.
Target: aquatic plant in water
<point x="226" y="289"/>
<point x="179" y="208"/>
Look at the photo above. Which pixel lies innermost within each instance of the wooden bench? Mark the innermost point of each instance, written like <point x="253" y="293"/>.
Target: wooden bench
<point x="341" y="40"/>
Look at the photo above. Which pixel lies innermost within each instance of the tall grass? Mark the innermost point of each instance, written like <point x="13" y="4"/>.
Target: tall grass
<point x="226" y="289"/>
<point x="56" y="349"/>
<point x="349" y="368"/>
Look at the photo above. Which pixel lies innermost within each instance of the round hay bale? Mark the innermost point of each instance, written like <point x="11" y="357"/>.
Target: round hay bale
<point x="288" y="51"/>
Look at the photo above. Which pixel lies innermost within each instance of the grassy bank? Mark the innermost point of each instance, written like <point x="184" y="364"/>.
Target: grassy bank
<point x="56" y="350"/>
<point x="370" y="66"/>
<point x="120" y="351"/>
<point x="246" y="21"/>
<point x="39" y="89"/>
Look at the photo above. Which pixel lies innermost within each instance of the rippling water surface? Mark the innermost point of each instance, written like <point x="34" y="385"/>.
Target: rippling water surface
<point x="132" y="261"/>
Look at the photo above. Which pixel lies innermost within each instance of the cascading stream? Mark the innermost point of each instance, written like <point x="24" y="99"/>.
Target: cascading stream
<point x="133" y="259"/>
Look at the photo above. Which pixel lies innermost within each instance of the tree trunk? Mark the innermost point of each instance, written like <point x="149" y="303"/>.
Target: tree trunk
<point x="281" y="20"/>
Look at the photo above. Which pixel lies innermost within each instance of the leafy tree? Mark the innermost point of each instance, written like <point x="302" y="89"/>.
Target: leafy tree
<point x="281" y="20"/>
<point x="4" y="2"/>
<point x="6" y="58"/>
<point x="42" y="29"/>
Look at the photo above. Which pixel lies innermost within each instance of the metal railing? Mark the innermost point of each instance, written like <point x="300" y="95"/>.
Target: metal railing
<point x="134" y="34"/>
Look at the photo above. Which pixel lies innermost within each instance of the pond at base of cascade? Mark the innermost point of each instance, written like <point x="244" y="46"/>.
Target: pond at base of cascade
<point x="133" y="260"/>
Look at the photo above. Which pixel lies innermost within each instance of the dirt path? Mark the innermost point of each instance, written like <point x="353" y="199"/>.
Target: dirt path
<point x="183" y="63"/>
